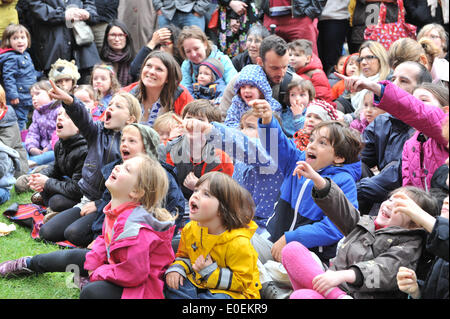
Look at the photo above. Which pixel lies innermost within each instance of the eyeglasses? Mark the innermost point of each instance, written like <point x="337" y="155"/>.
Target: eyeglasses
<point x="368" y="58"/>
<point x="117" y="35"/>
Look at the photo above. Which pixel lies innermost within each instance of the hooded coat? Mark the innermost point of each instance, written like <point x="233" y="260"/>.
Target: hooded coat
<point x="137" y="254"/>
<point x="313" y="72"/>
<point x="253" y="75"/>
<point x="233" y="272"/>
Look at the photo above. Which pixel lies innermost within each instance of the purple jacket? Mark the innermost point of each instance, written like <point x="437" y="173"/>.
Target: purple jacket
<point x="425" y="119"/>
<point x="42" y="127"/>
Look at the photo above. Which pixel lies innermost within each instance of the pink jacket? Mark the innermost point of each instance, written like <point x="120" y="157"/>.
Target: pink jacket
<point x="425" y="119"/>
<point x="138" y="255"/>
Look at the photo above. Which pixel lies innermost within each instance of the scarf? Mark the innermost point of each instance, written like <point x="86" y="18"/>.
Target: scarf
<point x="122" y="67"/>
<point x="358" y="97"/>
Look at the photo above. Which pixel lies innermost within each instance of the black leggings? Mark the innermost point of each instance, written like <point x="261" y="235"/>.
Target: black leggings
<point x="73" y="260"/>
<point x="58" y="202"/>
<point x="69" y="225"/>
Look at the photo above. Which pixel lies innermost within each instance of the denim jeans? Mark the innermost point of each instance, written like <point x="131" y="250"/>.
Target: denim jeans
<point x="189" y="291"/>
<point x="43" y="158"/>
<point x="4" y="195"/>
<point x="181" y="19"/>
<point x="22" y="115"/>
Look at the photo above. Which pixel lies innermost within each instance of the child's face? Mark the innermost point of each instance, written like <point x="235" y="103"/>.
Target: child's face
<point x="164" y="133"/>
<point x="117" y="115"/>
<point x="339" y="67"/>
<point x="249" y="93"/>
<point x="39" y="98"/>
<point x="131" y="143"/>
<point x="65" y="128"/>
<point x="154" y="73"/>
<point x="352" y="68"/>
<point x="123" y="179"/>
<point x="370" y="111"/>
<point x="205" y="75"/>
<point x="250" y="126"/>
<point x="387" y="218"/>
<point x="320" y="153"/>
<point x="298" y="96"/>
<point x="65" y="84"/>
<point x="84" y="97"/>
<point x="311" y="121"/>
<point x="19" y="41"/>
<point x="101" y="80"/>
<point x="203" y="206"/>
<point x="426" y="97"/>
<point x="298" y="59"/>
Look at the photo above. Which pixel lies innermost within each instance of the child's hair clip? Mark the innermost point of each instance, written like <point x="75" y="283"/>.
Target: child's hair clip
<point x="108" y="67"/>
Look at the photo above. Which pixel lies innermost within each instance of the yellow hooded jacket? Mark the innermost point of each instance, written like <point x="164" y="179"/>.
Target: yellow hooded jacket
<point x="233" y="271"/>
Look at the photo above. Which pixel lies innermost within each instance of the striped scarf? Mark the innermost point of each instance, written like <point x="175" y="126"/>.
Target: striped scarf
<point x="154" y="113"/>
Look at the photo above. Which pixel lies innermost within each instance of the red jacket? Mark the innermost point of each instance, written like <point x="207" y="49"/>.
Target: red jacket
<point x="314" y="72"/>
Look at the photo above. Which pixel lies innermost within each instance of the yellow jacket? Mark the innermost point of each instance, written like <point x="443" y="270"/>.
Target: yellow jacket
<point x="8" y="14"/>
<point x="233" y="271"/>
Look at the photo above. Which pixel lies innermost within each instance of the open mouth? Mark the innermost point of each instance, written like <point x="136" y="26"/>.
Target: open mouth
<point x="125" y="154"/>
<point x="59" y="126"/>
<point x="193" y="207"/>
<point x="107" y="116"/>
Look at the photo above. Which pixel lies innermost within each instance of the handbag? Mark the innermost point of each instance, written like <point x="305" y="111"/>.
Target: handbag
<point x="388" y="33"/>
<point x="83" y="33"/>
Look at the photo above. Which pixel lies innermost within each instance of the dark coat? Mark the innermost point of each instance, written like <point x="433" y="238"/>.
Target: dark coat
<point x="418" y="13"/>
<point x="69" y="160"/>
<point x="52" y="39"/>
<point x="310" y="8"/>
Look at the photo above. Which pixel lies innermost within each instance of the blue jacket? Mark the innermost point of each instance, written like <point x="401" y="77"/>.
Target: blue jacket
<point x="103" y="148"/>
<point x="296" y="215"/>
<point x="383" y="146"/>
<point x="189" y="70"/>
<point x="255" y="76"/>
<point x="18" y="75"/>
<point x="253" y="169"/>
<point x="212" y="91"/>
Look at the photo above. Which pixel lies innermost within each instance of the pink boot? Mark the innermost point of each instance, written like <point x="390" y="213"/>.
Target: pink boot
<point x="302" y="269"/>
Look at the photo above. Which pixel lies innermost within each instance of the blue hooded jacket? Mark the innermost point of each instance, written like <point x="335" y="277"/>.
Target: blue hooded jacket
<point x="253" y="75"/>
<point x="296" y="215"/>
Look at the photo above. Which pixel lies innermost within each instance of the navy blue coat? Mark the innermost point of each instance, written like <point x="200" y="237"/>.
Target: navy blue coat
<point x="18" y="75"/>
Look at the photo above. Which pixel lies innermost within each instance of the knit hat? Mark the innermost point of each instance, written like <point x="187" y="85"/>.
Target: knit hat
<point x="323" y="109"/>
<point x="150" y="138"/>
<point x="216" y="66"/>
<point x="63" y="69"/>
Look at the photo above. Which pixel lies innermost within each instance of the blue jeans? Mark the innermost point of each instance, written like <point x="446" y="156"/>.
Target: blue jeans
<point x="189" y="291"/>
<point x="4" y="195"/>
<point x="181" y="19"/>
<point x="43" y="158"/>
<point x="22" y="115"/>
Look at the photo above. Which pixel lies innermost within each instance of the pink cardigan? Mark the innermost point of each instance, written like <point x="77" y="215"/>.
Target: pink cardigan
<point x="139" y="253"/>
<point x="425" y="119"/>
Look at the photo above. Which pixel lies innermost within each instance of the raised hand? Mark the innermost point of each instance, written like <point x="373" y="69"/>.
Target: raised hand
<point x="59" y="94"/>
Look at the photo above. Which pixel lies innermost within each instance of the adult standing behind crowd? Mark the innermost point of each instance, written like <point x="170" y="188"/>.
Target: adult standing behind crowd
<point x="107" y="12"/>
<point x="163" y="39"/>
<point x="158" y="89"/>
<point x="195" y="47"/>
<point x="118" y="50"/>
<point x="8" y="13"/>
<point x="181" y="12"/>
<point x="53" y="35"/>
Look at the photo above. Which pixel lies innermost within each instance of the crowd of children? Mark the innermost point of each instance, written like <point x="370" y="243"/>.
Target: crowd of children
<point x="327" y="185"/>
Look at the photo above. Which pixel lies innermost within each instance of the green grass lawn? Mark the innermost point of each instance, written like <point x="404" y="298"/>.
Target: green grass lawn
<point x="18" y="244"/>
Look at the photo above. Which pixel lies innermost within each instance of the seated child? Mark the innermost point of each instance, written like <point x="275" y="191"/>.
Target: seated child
<point x="9" y="164"/>
<point x="215" y="258"/>
<point x="251" y="84"/>
<point x="299" y="94"/>
<point x="17" y="72"/>
<point x="191" y="154"/>
<point x="339" y="68"/>
<point x="351" y="67"/>
<point x="308" y="65"/>
<point x="127" y="260"/>
<point x="57" y="184"/>
<point x="103" y="139"/>
<point x="316" y="112"/>
<point x="165" y="125"/>
<point x="210" y="84"/>
<point x="374" y="248"/>
<point x="64" y="74"/>
<point x="105" y="84"/>
<point x="10" y="136"/>
<point x="367" y="113"/>
<point x="38" y="140"/>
